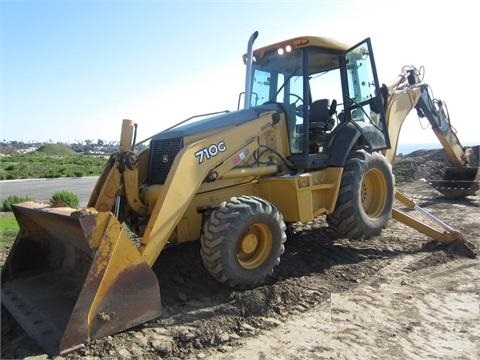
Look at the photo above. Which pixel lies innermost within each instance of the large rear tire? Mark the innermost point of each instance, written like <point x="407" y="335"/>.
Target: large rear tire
<point x="365" y="198"/>
<point x="242" y="241"/>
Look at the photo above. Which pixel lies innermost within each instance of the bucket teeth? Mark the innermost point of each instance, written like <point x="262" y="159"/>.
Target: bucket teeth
<point x="454" y="189"/>
<point x="457" y="182"/>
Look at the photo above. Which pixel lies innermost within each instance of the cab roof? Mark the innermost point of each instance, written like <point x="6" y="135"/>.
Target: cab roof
<point x="303" y="41"/>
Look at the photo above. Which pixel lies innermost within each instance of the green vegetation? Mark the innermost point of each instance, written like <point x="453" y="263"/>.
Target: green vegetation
<point x="51" y="161"/>
<point x="8" y="230"/>
<point x="13" y="199"/>
<point x="402" y="172"/>
<point x="67" y="197"/>
<point x="61" y="198"/>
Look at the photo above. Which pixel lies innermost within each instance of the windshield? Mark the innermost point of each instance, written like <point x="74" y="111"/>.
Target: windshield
<point x="272" y="75"/>
<point x="279" y="78"/>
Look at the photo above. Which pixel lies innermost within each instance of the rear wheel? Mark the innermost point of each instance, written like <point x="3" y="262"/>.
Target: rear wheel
<point x="242" y="241"/>
<point x="365" y="198"/>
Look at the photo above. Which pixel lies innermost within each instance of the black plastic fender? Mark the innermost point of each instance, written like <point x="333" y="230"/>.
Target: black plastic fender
<point x="341" y="143"/>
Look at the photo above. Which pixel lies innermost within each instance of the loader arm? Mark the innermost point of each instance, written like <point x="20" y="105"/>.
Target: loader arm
<point x="189" y="170"/>
<point x="119" y="177"/>
<point x="103" y="195"/>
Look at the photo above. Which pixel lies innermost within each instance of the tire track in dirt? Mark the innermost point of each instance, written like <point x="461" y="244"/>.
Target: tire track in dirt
<point x="416" y="316"/>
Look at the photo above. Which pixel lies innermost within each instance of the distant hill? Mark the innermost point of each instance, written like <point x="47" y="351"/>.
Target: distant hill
<point x="56" y="149"/>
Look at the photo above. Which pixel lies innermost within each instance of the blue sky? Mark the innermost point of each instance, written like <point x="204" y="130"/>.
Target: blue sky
<point x="74" y="69"/>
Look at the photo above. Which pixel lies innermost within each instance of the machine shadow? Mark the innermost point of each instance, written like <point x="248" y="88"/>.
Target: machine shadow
<point x="190" y="293"/>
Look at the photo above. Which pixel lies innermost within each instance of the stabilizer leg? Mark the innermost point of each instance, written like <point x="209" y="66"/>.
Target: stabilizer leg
<point x="450" y="236"/>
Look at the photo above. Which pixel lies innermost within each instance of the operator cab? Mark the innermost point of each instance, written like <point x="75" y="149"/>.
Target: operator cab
<point x="329" y="93"/>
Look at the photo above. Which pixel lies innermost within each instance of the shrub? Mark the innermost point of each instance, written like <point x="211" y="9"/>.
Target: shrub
<point x="52" y="174"/>
<point x="67" y="197"/>
<point x="13" y="199"/>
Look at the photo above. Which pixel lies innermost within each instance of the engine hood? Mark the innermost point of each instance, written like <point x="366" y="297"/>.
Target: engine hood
<point x="165" y="145"/>
<point x="233" y="118"/>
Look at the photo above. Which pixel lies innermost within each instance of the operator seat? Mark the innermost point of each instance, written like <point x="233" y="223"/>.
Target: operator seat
<point x="321" y="112"/>
<point x="320" y="123"/>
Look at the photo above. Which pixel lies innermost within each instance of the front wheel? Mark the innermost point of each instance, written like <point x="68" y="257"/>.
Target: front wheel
<point x="365" y="198"/>
<point x="242" y="241"/>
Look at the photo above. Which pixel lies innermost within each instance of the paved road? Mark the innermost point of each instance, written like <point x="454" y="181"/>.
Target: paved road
<point x="42" y="189"/>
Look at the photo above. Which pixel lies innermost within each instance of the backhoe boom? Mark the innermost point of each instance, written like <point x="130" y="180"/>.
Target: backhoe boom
<point x="410" y="92"/>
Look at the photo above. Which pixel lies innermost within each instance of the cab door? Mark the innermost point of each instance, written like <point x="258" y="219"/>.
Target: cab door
<point x="362" y="97"/>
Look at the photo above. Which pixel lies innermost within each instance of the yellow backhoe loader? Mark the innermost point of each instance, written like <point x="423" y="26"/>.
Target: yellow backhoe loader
<point x="313" y="139"/>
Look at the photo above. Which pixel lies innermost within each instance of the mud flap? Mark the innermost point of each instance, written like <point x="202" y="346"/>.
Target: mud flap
<point x="75" y="276"/>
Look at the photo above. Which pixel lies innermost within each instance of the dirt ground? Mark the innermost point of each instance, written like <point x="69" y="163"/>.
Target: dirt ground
<point x="395" y="296"/>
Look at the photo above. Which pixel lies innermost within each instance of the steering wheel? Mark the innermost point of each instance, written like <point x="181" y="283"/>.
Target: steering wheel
<point x="298" y="108"/>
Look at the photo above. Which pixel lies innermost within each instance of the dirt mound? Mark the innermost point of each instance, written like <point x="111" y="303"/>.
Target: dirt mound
<point x="428" y="164"/>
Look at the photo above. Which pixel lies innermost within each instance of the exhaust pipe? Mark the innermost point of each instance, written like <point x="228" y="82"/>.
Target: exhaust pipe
<point x="248" y="78"/>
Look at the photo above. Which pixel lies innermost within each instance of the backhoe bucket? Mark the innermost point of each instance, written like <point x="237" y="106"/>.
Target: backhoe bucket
<point x="457" y="183"/>
<point x="75" y="276"/>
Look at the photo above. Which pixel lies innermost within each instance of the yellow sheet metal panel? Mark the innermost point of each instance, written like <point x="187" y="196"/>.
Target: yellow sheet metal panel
<point x="184" y="231"/>
<point x="325" y="187"/>
<point x="294" y="203"/>
<point x="302" y="197"/>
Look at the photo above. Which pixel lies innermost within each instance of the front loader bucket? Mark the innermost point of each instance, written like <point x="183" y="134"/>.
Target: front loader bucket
<point x="75" y="276"/>
<point x="457" y="183"/>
